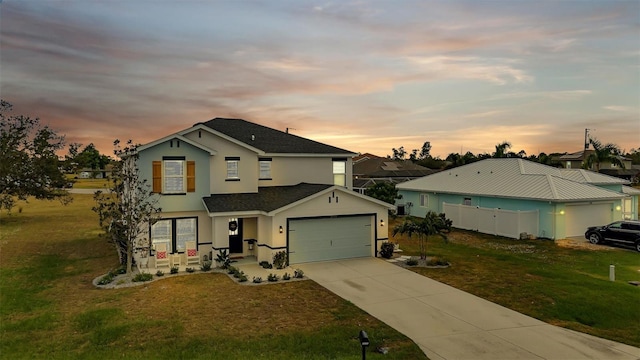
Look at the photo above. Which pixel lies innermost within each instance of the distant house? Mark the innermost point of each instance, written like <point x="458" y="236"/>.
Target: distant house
<point x="254" y="191"/>
<point x="509" y="197"/>
<point x="370" y="169"/>
<point x="577" y="160"/>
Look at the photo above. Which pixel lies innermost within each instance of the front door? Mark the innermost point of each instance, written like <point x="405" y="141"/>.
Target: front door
<point x="235" y="236"/>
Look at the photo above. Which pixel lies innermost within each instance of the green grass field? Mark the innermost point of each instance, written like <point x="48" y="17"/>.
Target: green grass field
<point x="564" y="286"/>
<point x="49" y="255"/>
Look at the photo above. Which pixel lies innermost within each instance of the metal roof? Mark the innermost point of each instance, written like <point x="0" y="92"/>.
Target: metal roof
<point x="515" y="178"/>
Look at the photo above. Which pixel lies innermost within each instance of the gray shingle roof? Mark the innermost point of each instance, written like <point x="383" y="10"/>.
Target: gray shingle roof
<point x="270" y="140"/>
<point x="267" y="199"/>
<point x="514" y="178"/>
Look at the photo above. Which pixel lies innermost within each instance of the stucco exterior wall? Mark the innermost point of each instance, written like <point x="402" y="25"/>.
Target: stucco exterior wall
<point x="190" y="201"/>
<point x="294" y="170"/>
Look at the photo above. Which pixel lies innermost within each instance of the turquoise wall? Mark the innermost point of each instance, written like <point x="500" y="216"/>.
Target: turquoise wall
<point x="545" y="209"/>
<point x="190" y="201"/>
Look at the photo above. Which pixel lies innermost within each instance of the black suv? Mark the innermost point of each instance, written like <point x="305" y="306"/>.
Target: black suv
<point x="625" y="232"/>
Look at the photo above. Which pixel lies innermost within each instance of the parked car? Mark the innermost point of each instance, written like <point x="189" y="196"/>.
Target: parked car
<point x="625" y="232"/>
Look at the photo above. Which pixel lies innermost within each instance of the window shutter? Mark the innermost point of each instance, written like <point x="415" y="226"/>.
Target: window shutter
<point x="191" y="176"/>
<point x="157" y="176"/>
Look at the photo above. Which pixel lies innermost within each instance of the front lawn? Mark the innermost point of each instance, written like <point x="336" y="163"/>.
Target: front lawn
<point x="49" y="255"/>
<point x="568" y="287"/>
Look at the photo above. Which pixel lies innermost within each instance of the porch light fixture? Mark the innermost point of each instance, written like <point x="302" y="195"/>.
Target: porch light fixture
<point x="561" y="212"/>
<point x="618" y="208"/>
<point x="281" y="229"/>
<point x="364" y="342"/>
<point x="381" y="222"/>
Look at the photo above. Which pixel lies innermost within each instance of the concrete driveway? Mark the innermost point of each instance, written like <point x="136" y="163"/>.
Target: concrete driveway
<point x="451" y="324"/>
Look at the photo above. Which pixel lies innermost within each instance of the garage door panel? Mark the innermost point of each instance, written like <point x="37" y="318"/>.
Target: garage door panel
<point x="579" y="217"/>
<point x="322" y="239"/>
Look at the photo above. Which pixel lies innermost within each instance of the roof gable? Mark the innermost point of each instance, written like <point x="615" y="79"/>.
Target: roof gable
<point x="176" y="137"/>
<point x="268" y="140"/>
<point x="510" y="178"/>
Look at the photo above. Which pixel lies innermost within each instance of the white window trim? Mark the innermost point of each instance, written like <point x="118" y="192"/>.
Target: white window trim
<point x="230" y="173"/>
<point x="424" y="200"/>
<point x="182" y="177"/>
<point x="267" y="170"/>
<point x="341" y="173"/>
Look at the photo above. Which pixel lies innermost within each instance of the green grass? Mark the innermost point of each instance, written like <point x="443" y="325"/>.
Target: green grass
<point x="50" y="254"/>
<point x="568" y="287"/>
<point x="90" y="183"/>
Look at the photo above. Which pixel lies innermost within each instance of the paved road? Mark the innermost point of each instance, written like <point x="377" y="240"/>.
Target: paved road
<point x="448" y="323"/>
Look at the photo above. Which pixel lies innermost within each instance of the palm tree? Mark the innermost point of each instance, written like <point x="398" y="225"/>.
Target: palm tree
<point x="432" y="224"/>
<point x="602" y="153"/>
<point x="501" y="149"/>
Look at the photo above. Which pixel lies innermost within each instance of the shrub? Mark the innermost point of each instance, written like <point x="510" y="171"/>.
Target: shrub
<point x="231" y="269"/>
<point x="436" y="261"/>
<point x="272" y="278"/>
<point x="174" y="270"/>
<point x="386" y="250"/>
<point x="280" y="259"/>
<point x="286" y="276"/>
<point x="242" y="278"/>
<point x="159" y="273"/>
<point x="206" y="266"/>
<point x="190" y="269"/>
<point x="298" y="274"/>
<point x="107" y="279"/>
<point x="257" y="279"/>
<point x="411" y="261"/>
<point x="238" y="274"/>
<point x="265" y="265"/>
<point x="223" y="259"/>
<point x="142" y="277"/>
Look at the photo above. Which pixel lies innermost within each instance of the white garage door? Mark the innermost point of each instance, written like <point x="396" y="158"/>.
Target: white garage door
<point x="320" y="239"/>
<point x="579" y="217"/>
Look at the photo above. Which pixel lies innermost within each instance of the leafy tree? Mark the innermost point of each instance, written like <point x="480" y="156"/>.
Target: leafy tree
<point x="384" y="191"/>
<point x="432" y="224"/>
<point x="414" y="155"/>
<point x="634" y="155"/>
<point x="90" y="157"/>
<point x="601" y="153"/>
<point x="128" y="208"/>
<point x="425" y="151"/>
<point x="501" y="149"/>
<point x="28" y="162"/>
<point x="399" y="154"/>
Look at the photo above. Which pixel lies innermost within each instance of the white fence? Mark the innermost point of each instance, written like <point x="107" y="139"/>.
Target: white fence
<point x="500" y="222"/>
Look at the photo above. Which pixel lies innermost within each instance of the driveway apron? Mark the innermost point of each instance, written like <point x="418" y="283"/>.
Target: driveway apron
<point x="448" y="323"/>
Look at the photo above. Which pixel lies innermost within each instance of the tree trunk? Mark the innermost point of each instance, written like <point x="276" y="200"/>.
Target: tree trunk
<point x="129" y="258"/>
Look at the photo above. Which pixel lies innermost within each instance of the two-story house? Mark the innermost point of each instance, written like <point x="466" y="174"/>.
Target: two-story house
<point x="254" y="191"/>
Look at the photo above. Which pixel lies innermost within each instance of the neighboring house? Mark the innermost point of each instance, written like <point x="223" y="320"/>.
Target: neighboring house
<point x="576" y="161"/>
<point x="230" y="184"/>
<point x="509" y="197"/>
<point x="369" y="170"/>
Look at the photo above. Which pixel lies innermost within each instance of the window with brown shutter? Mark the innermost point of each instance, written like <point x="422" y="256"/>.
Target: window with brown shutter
<point x="157" y="176"/>
<point x="191" y="176"/>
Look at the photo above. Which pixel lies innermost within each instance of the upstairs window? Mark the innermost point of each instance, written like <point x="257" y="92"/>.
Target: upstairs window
<point x="340" y="172"/>
<point x="233" y="172"/>
<point x="265" y="169"/>
<point x="174" y="175"/>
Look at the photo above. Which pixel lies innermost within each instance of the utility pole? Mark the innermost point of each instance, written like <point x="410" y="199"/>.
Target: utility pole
<point x="586" y="138"/>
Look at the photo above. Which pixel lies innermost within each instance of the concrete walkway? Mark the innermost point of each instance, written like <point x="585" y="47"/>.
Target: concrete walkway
<point x="451" y="324"/>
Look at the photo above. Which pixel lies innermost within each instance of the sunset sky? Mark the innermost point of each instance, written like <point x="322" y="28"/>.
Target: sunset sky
<point x="366" y="76"/>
